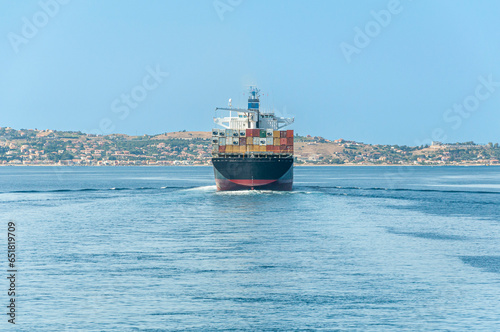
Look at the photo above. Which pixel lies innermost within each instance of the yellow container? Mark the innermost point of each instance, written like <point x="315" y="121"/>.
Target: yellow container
<point x="249" y="148"/>
<point x="242" y="148"/>
<point x="255" y="148"/>
<point x="277" y="140"/>
<point x="262" y="148"/>
<point x="276" y="133"/>
<point x="229" y="149"/>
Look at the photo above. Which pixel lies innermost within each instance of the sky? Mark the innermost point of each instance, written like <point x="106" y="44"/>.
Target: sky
<point x="380" y="72"/>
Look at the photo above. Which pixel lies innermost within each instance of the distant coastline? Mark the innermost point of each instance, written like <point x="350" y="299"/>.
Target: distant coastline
<point x="32" y="147"/>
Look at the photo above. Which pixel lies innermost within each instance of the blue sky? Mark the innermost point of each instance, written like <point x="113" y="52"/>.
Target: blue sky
<point x="418" y="71"/>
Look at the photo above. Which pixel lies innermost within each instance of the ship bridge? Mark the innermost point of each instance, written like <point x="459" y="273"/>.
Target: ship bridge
<point x="251" y="117"/>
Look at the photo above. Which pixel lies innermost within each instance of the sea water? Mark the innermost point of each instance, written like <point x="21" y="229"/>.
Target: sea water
<point x="158" y="248"/>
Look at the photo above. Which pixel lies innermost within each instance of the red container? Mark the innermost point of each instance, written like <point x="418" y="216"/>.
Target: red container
<point x="289" y="148"/>
<point x="249" y="133"/>
<point x="282" y="141"/>
<point x="222" y="149"/>
<point x="289" y="141"/>
<point x="270" y="148"/>
<point x="282" y="149"/>
<point x="283" y="134"/>
<point x="289" y="133"/>
<point x="243" y="141"/>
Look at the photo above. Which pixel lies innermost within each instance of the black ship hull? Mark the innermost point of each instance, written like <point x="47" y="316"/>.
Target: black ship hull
<point x="238" y="173"/>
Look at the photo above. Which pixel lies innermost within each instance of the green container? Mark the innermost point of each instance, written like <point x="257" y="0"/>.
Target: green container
<point x="263" y="133"/>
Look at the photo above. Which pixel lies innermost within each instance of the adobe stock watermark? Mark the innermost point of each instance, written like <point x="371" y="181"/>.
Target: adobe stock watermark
<point x="223" y="6"/>
<point x="463" y="110"/>
<point x="122" y="105"/>
<point x="31" y="27"/>
<point x="372" y="29"/>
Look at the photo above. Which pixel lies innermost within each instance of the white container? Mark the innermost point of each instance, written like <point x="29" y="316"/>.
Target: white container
<point x="262" y="141"/>
<point x="229" y="133"/>
<point x="236" y="140"/>
<point x="269" y="133"/>
<point x="222" y="141"/>
<point x="215" y="132"/>
<point x="243" y="133"/>
<point x="215" y="148"/>
<point x="256" y="140"/>
<point x="269" y="141"/>
<point x="222" y="133"/>
<point x="215" y="140"/>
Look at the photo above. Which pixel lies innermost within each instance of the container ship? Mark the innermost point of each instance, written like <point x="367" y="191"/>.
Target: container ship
<point x="250" y="151"/>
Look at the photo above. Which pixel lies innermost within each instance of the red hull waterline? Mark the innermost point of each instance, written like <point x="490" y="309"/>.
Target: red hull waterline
<point x="282" y="184"/>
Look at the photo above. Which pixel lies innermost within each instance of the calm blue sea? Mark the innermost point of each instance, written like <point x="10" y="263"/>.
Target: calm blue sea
<point x="157" y="248"/>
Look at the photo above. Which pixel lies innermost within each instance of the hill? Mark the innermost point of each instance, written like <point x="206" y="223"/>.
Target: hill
<point x="49" y="147"/>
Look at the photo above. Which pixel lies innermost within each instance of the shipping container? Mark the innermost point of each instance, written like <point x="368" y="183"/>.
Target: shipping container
<point x="269" y="133"/>
<point x="276" y="134"/>
<point x="289" y="141"/>
<point x="243" y="148"/>
<point x="289" y="148"/>
<point x="229" y="132"/>
<point x="269" y="141"/>
<point x="289" y="134"/>
<point x="262" y="141"/>
<point x="282" y="148"/>
<point x="249" y="148"/>
<point x="236" y="133"/>
<point x="215" y="148"/>
<point x="243" y="141"/>
<point x="243" y="133"/>
<point x="222" y="141"/>
<point x="282" y="141"/>
<point x="222" y="148"/>
<point x="256" y="140"/>
<point x="262" y="148"/>
<point x="262" y="133"/>
<point x="236" y="141"/>
<point x="283" y="134"/>
<point x="270" y="148"/>
<point x="215" y="132"/>
<point x="255" y="148"/>
<point x="222" y="133"/>
<point x="215" y="140"/>
<point x="276" y="141"/>
<point x="229" y="149"/>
